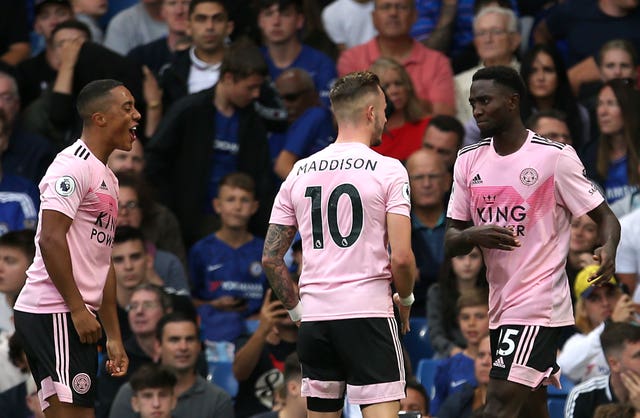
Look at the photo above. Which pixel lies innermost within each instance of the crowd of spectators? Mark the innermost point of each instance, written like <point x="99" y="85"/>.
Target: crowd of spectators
<point x="233" y="94"/>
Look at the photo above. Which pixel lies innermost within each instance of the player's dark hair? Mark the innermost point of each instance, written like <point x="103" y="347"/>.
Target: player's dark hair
<point x="504" y="76"/>
<point x="194" y="3"/>
<point x="152" y="376"/>
<point x="243" y="59"/>
<point x="172" y="317"/>
<point x="261" y="5"/>
<point x="412" y="383"/>
<point x="22" y="240"/>
<point x="128" y="233"/>
<point x="163" y="297"/>
<point x="447" y="123"/>
<point x="89" y="98"/>
<point x="616" y="335"/>
<point x="240" y="180"/>
<point x="72" y="24"/>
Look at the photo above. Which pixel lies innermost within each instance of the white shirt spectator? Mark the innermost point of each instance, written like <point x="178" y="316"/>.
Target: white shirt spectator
<point x="132" y="27"/>
<point x="348" y="22"/>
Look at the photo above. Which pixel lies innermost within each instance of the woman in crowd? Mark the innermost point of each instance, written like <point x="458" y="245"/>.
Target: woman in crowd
<point x="548" y="87"/>
<point x="407" y="121"/>
<point x="461" y="273"/>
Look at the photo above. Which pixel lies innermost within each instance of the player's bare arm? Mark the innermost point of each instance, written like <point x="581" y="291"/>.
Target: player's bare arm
<point x="118" y="362"/>
<point x="609" y="230"/>
<point x="403" y="263"/>
<point x="57" y="260"/>
<point x="462" y="236"/>
<point x="276" y="244"/>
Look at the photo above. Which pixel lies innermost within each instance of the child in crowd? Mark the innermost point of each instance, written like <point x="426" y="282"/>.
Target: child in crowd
<point x="153" y="391"/>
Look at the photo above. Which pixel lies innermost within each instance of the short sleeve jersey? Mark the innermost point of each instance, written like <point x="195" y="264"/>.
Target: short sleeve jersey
<point x="339" y="198"/>
<point x="81" y="187"/>
<point x="533" y="191"/>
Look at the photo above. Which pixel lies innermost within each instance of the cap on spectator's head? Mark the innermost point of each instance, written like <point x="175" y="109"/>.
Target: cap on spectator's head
<point x="582" y="287"/>
<point x="39" y="4"/>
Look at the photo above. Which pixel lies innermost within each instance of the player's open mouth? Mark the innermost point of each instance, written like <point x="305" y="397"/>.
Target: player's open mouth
<point x="132" y="133"/>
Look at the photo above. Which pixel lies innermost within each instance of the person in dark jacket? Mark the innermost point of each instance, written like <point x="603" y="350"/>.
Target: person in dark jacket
<point x="209" y="134"/>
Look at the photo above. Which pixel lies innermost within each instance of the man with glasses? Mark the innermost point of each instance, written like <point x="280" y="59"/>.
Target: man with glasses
<point x="430" y="70"/>
<point x="430" y="181"/>
<point x="496" y="38"/>
<point x="310" y="124"/>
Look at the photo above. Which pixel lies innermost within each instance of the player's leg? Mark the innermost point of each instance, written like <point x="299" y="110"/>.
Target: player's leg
<point x="384" y="409"/>
<point x="63" y="368"/>
<point x="59" y="409"/>
<point x="536" y="404"/>
<point x="505" y="399"/>
<point x="372" y="354"/>
<point x="524" y="356"/>
<point x="323" y="378"/>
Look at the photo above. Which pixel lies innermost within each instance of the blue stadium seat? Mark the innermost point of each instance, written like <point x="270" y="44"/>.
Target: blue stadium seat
<point x="251" y="325"/>
<point x="221" y="373"/>
<point x="556" y="407"/>
<point x="417" y="342"/>
<point x="426" y="372"/>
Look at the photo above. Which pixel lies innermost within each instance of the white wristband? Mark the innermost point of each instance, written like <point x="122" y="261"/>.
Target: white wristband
<point x="296" y="313"/>
<point x="408" y="301"/>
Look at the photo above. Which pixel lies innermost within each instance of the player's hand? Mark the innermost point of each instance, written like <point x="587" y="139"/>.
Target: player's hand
<point x="271" y="313"/>
<point x="606" y="257"/>
<point x="118" y="362"/>
<point x="87" y="326"/>
<point x="229" y="304"/>
<point x="404" y="311"/>
<point x="631" y="382"/>
<point x="493" y="236"/>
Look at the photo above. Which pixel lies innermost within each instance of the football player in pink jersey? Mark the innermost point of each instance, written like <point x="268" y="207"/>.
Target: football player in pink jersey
<point x="350" y="204"/>
<point x="72" y="278"/>
<point x="514" y="195"/>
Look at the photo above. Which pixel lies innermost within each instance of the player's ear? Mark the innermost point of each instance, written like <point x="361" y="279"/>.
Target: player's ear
<point x="99" y="119"/>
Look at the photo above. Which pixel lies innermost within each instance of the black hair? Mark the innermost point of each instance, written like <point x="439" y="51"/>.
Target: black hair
<point x="504" y="76"/>
<point x="447" y="123"/>
<point x="72" y="24"/>
<point x="22" y="240"/>
<point x="260" y="5"/>
<point x="128" y="233"/>
<point x="152" y="376"/>
<point x="175" y="316"/>
<point x="412" y="383"/>
<point x="194" y="3"/>
<point x="92" y="93"/>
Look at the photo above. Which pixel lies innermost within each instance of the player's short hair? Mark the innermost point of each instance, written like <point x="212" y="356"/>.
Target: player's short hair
<point x="243" y="59"/>
<point x="616" y="335"/>
<point x="163" y="297"/>
<point x="92" y="97"/>
<point x="533" y="120"/>
<point x="474" y="297"/>
<point x="239" y="180"/>
<point x="349" y="89"/>
<point x="504" y="76"/>
<point x="261" y="5"/>
<point x="72" y="24"/>
<point x="128" y="233"/>
<point x="447" y="123"/>
<point x="22" y="240"/>
<point x="194" y="3"/>
<point x="152" y="376"/>
<point x="172" y="317"/>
